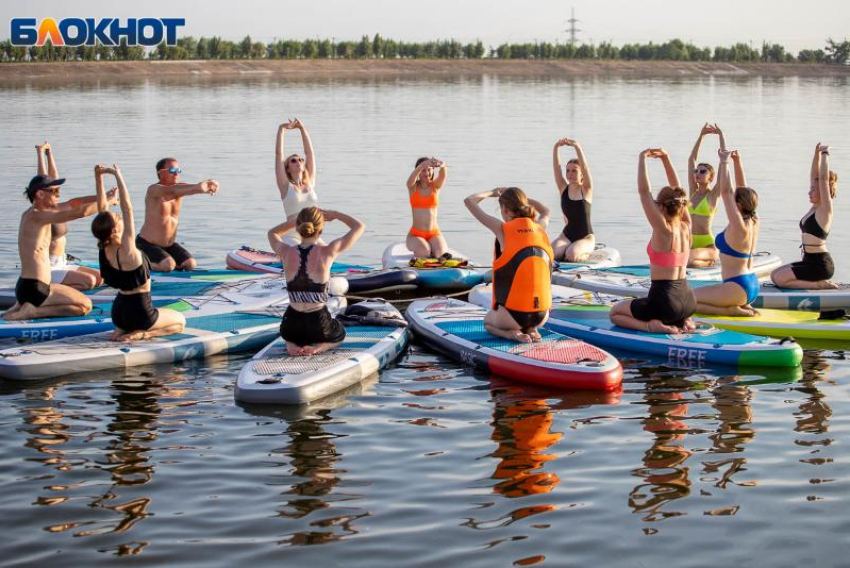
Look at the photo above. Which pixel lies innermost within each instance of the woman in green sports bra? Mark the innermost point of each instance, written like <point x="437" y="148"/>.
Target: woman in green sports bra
<point x="702" y="202"/>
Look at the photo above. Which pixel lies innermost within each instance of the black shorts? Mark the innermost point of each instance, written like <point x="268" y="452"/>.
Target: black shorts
<point x="671" y="301"/>
<point x="157" y="253"/>
<point x="31" y="291"/>
<point x="310" y="328"/>
<point x="527" y="320"/>
<point x="814" y="267"/>
<point x="134" y="312"/>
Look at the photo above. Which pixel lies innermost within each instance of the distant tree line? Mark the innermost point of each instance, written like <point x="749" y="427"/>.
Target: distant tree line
<point x="378" y="47"/>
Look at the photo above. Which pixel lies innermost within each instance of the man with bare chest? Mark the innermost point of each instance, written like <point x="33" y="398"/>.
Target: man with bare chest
<point x="158" y="237"/>
<point x="35" y="296"/>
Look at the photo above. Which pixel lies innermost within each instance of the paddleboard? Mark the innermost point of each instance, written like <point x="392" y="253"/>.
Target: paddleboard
<point x="784" y="323"/>
<point x="771" y="296"/>
<point x="634" y="280"/>
<point x="176" y="283"/>
<point x="255" y="292"/>
<point x="361" y="279"/>
<point x="274" y="377"/>
<point x="232" y="328"/>
<point x="438" y="278"/>
<point x="602" y="257"/>
<point x="456" y="329"/>
<point x="253" y="260"/>
<point x="586" y="316"/>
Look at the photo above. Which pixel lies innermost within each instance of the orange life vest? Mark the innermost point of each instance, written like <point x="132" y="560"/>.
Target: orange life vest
<point x="522" y="273"/>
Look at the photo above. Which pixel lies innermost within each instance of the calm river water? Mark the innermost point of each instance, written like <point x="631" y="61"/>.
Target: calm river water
<point x="428" y="464"/>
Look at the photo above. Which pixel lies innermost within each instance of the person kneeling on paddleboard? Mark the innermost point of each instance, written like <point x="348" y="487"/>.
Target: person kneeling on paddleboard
<point x="125" y="267"/>
<point x="816" y="268"/>
<point x="522" y="264"/>
<point x="670" y="303"/>
<point x="307" y="325"/>
<point x="425" y="239"/>
<point x="740" y="285"/>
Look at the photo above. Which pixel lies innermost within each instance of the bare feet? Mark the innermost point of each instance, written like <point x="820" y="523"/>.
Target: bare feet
<point x="655" y="326"/>
<point x="134" y="336"/>
<point x="535" y="335"/>
<point x="294" y="350"/>
<point x="744" y="311"/>
<point x="521" y="337"/>
<point x="25" y="312"/>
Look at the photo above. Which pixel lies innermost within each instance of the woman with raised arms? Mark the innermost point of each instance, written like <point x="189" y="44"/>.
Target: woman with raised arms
<point x="296" y="176"/>
<point x="522" y="264"/>
<point x="424" y="239"/>
<point x="702" y="204"/>
<point x="576" y="241"/>
<point x="670" y="303"/>
<point x="125" y="267"/>
<point x="816" y="268"/>
<point x="75" y="276"/>
<point x="740" y="286"/>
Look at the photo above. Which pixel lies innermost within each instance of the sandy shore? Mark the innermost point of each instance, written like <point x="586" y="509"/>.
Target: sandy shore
<point x="124" y="70"/>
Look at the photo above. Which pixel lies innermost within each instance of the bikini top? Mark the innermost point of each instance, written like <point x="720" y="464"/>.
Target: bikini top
<point x="301" y="288"/>
<point x="296" y="200"/>
<point x="667" y="259"/>
<point x="124" y="280"/>
<point x="702" y="208"/>
<point x="809" y="224"/>
<point x="419" y="201"/>
<point x="723" y="246"/>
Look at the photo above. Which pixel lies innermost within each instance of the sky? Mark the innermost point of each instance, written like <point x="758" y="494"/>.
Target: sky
<point x="794" y="24"/>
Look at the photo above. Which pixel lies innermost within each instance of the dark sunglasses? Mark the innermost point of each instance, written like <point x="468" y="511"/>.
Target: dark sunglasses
<point x="173" y="170"/>
<point x="295" y="160"/>
<point x="53" y="190"/>
<point x="701" y="171"/>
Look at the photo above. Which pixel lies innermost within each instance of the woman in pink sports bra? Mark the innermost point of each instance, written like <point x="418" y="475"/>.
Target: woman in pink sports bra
<point x="670" y="303"/>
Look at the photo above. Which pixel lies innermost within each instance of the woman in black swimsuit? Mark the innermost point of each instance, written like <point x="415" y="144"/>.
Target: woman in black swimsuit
<point x="307" y="327"/>
<point x="576" y="241"/>
<point x="125" y="267"/>
<point x="816" y="268"/>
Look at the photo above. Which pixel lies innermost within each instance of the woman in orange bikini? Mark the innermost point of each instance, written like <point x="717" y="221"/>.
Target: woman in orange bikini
<point x="424" y="239"/>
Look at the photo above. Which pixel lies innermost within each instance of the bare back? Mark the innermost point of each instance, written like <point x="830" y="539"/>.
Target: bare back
<point x="319" y="262"/>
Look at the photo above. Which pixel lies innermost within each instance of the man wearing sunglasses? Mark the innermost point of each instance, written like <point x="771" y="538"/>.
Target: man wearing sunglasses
<point x="158" y="237"/>
<point x="35" y="296"/>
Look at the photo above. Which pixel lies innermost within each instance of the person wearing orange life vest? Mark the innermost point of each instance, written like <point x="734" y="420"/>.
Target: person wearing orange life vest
<point x="522" y="265"/>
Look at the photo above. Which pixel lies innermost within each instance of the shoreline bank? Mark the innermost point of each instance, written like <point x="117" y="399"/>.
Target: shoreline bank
<point x="118" y="70"/>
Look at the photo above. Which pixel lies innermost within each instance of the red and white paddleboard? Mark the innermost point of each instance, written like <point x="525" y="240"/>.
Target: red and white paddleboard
<point x="253" y="260"/>
<point x="456" y="329"/>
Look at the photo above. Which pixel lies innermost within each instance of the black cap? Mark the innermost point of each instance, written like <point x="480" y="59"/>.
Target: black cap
<point x="41" y="182"/>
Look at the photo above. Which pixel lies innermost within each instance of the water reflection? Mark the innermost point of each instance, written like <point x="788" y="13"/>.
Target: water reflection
<point x="664" y="474"/>
<point x="522" y="423"/>
<point x="308" y="465"/>
<point x="812" y="421"/>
